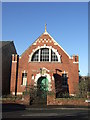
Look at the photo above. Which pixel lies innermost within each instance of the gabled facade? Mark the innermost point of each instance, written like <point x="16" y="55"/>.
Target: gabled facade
<point x="45" y="62"/>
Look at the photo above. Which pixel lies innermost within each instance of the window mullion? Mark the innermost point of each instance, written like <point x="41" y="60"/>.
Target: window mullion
<point x="49" y="54"/>
<point x="39" y="54"/>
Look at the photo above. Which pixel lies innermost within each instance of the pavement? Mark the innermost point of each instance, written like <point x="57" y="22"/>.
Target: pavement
<point x="14" y="111"/>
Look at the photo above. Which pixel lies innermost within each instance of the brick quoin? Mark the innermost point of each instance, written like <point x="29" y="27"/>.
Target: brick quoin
<point x="68" y="65"/>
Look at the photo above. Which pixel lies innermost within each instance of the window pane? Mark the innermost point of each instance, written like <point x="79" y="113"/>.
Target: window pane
<point x="53" y="56"/>
<point x="64" y="79"/>
<point x="35" y="56"/>
<point x="44" y="54"/>
<point x="24" y="78"/>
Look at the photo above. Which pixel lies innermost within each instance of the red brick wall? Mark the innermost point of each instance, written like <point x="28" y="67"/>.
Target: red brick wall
<point x="13" y="73"/>
<point x="65" y="65"/>
<point x="72" y="102"/>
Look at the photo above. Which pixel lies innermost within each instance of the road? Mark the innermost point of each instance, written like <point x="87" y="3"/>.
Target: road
<point x="20" y="111"/>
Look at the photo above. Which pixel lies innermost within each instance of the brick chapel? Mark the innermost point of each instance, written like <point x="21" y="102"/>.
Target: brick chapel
<point x="45" y="63"/>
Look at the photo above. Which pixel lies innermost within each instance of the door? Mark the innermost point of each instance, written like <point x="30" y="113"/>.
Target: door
<point x="42" y="87"/>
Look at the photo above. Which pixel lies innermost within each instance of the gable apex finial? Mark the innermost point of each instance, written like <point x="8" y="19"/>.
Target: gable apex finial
<point x="45" y="27"/>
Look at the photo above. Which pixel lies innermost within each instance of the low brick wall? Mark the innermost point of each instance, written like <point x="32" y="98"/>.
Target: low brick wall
<point x="26" y="99"/>
<point x="51" y="100"/>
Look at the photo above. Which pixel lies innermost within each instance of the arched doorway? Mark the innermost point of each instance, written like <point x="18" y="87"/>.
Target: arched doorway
<point x="42" y="87"/>
<point x="43" y="84"/>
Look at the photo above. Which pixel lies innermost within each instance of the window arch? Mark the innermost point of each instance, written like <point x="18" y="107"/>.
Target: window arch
<point x="45" y="54"/>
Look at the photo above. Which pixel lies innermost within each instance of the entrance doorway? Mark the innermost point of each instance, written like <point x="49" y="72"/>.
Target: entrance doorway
<point x="42" y="87"/>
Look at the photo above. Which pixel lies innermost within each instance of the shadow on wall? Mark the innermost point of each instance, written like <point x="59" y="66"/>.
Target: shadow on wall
<point x="60" y="88"/>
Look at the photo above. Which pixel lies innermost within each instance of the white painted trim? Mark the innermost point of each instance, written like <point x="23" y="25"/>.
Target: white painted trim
<point x="87" y="101"/>
<point x="46" y="75"/>
<point x="34" y="43"/>
<point x="45" y="32"/>
<point x="29" y="58"/>
<point x="24" y="71"/>
<point x="53" y="78"/>
<point x="32" y="77"/>
<point x="75" y="62"/>
<point x="49" y="54"/>
<point x="72" y="94"/>
<point x="46" y="69"/>
<point x="57" y="44"/>
<point x="39" y="54"/>
<point x="13" y="93"/>
<point x="63" y="72"/>
<point x="49" y="47"/>
<point x="19" y="93"/>
<point x="14" y="61"/>
<point x="72" y="57"/>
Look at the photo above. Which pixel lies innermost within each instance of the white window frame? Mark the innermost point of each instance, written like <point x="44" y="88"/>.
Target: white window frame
<point x="50" y="48"/>
<point x="24" y="79"/>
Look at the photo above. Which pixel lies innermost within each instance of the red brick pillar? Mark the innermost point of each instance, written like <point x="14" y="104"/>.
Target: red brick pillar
<point x="74" y="77"/>
<point x="52" y="94"/>
<point x="13" y="74"/>
<point x="75" y="58"/>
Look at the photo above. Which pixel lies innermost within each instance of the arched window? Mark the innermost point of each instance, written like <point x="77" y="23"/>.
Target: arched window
<point x="53" y="56"/>
<point x="45" y="54"/>
<point x="35" y="56"/>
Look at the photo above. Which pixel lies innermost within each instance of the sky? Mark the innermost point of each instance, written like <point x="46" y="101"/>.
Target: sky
<point x="89" y="39"/>
<point x="67" y="23"/>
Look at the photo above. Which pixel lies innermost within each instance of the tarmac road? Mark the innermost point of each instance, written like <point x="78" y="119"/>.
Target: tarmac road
<point x="21" y="111"/>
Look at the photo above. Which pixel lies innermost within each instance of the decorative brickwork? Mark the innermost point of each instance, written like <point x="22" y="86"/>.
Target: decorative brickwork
<point x="53" y="70"/>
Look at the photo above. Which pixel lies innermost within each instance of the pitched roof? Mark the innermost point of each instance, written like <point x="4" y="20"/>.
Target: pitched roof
<point x="9" y="44"/>
<point x="4" y="43"/>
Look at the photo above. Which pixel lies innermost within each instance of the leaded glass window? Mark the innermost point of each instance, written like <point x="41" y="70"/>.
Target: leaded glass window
<point x="53" y="56"/>
<point x="44" y="54"/>
<point x="35" y="56"/>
